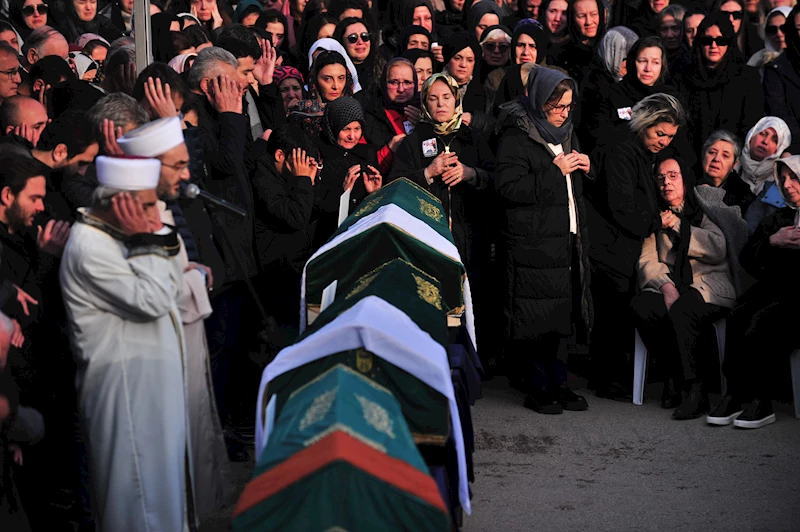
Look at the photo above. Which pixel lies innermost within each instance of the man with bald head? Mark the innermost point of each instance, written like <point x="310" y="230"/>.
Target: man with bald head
<point x="23" y="116"/>
<point x="43" y="42"/>
<point x="10" y="78"/>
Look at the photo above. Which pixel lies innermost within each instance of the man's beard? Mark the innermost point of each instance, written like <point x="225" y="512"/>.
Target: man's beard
<point x="165" y="194"/>
<point x="16" y="218"/>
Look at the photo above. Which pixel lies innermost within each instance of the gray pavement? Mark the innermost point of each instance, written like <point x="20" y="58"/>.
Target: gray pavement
<point x="623" y="467"/>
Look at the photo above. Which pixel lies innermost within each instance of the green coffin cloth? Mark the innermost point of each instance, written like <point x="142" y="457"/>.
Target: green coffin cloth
<point x="425" y="410"/>
<point x="410" y="197"/>
<point x="402" y="285"/>
<point x="340" y="399"/>
<point x="362" y="254"/>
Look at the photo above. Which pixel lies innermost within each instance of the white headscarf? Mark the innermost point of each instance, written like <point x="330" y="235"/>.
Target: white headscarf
<point x="333" y="45"/>
<point x="179" y="62"/>
<point x="756" y="173"/>
<point x="783" y="10"/>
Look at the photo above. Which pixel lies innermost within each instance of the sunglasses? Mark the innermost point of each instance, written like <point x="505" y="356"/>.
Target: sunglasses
<point x="353" y="37"/>
<point x="735" y="15"/>
<point x="40" y="9"/>
<point x="496" y="46"/>
<point x="772" y="31"/>
<point x="708" y="41"/>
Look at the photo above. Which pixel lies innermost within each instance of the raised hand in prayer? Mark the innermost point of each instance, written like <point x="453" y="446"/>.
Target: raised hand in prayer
<point x="226" y="95"/>
<point x="17" y="338"/>
<point x="159" y="98"/>
<point x="53" y="237"/>
<point x="24" y="298"/>
<point x="265" y="66"/>
<point x="372" y="179"/>
<point x="303" y="165"/>
<point x="28" y="133"/>
<point x="412" y="114"/>
<point x="396" y="141"/>
<point x="110" y="136"/>
<point x="130" y="214"/>
<point x="440" y="165"/>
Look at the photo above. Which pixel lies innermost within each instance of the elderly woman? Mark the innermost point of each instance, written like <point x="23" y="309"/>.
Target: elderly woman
<point x="685" y="284"/>
<point x="529" y="44"/>
<point x="496" y="45"/>
<point x="623" y="211"/>
<point x="392" y="115"/>
<point x="720" y="155"/>
<point x="329" y="79"/>
<point x="448" y="158"/>
<point x="539" y="182"/>
<point x="764" y="144"/>
<point x="719" y="91"/>
<point x="290" y="86"/>
<point x="761" y="326"/>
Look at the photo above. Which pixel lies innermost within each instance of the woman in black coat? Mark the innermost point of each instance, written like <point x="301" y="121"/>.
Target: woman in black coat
<point x="462" y="56"/>
<point x="782" y="81"/>
<point x="529" y="44"/>
<point x="73" y="23"/>
<point x="718" y="90"/>
<point x="539" y="182"/>
<point x="586" y="21"/>
<point x="622" y="212"/>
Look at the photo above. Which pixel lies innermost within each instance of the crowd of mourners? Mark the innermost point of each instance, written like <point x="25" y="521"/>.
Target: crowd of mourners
<point x="605" y="168"/>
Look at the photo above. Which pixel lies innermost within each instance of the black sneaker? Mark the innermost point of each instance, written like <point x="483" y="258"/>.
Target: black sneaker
<point x="693" y="405"/>
<point x="569" y="400"/>
<point x="543" y="402"/>
<point x="758" y="414"/>
<point x="728" y="410"/>
<point x="614" y="391"/>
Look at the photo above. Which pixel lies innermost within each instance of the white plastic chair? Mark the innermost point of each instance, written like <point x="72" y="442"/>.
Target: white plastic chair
<point x="640" y="365"/>
<point x="794" y="361"/>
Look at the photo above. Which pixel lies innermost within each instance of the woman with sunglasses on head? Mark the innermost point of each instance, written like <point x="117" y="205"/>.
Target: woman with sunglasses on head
<point x="719" y="91"/>
<point x="357" y="40"/>
<point x="27" y="15"/>
<point x="774" y="39"/>
<point x="543" y="238"/>
<point x="782" y="80"/>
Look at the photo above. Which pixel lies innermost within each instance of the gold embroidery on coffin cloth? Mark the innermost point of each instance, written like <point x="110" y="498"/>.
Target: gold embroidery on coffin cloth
<point x="428" y="292"/>
<point x="429" y="210"/>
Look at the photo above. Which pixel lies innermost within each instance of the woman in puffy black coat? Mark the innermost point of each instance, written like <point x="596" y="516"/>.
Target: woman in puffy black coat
<point x="539" y="183"/>
<point x="718" y="90"/>
<point x="782" y="81"/>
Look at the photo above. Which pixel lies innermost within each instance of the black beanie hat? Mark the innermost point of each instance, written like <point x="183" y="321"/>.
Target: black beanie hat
<point x="457" y="42"/>
<point x="339" y="113"/>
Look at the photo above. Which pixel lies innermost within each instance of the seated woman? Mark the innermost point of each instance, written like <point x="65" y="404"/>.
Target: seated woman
<point x="328" y="80"/>
<point x="539" y="181"/>
<point x="761" y="326"/>
<point x="765" y="143"/>
<point x="290" y="85"/>
<point x="721" y="153"/>
<point x="348" y="164"/>
<point x="686" y="285"/>
<point x="392" y="115"/>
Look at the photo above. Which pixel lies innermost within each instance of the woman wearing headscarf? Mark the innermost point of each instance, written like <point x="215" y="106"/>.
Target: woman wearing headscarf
<point x="645" y="23"/>
<point x="553" y="16"/>
<point x="349" y="163"/>
<point x="774" y="39"/>
<point x="328" y="80"/>
<point x="405" y="13"/>
<point x="718" y="160"/>
<point x="462" y="55"/>
<point x="623" y="211"/>
<point x="764" y="144"/>
<point x="413" y="37"/>
<point x="290" y="86"/>
<point x="361" y="46"/>
<point x="449" y="159"/>
<point x="449" y="20"/>
<point x="161" y="27"/>
<point x="761" y="328"/>
<point x="395" y="112"/>
<point x="496" y="48"/>
<point x="746" y="41"/>
<point x="522" y="12"/>
<point x="320" y="27"/>
<point x="606" y="69"/>
<point x="782" y="81"/>
<point x="182" y="63"/>
<point x="586" y="20"/>
<point x="26" y="16"/>
<point x="543" y="241"/>
<point x="529" y="44"/>
<point x="482" y="14"/>
<point x="719" y="91"/>
<point x="424" y="64"/>
<point x="332" y="45"/>
<point x="247" y="12"/>
<point x="78" y="17"/>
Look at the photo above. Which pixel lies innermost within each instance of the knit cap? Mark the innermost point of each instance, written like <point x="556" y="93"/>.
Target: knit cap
<point x="339" y="113"/>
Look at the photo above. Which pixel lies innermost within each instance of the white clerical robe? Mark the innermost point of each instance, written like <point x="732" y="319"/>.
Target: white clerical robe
<point x="128" y="342"/>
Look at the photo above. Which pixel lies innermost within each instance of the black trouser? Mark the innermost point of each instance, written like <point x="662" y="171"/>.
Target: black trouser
<point x="760" y="329"/>
<point x="674" y="336"/>
<point x="612" y="334"/>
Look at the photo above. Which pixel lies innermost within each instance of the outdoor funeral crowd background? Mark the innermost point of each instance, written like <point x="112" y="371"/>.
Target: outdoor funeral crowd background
<point x="525" y="172"/>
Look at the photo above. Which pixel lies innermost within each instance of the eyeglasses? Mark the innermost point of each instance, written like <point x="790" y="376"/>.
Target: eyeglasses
<point x="668" y="176"/>
<point x="735" y="15"/>
<point x="705" y="40"/>
<point x="772" y="31"/>
<point x="11" y="73"/>
<point x="353" y="37"/>
<point x="40" y="9"/>
<point x="496" y="46"/>
<point x="561" y="108"/>
<point x="177" y="167"/>
<point x="396" y="83"/>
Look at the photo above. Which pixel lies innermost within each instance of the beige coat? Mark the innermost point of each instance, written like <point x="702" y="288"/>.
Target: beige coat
<point x="707" y="256"/>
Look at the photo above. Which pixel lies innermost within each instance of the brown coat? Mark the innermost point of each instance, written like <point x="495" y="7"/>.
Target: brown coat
<point x="707" y="256"/>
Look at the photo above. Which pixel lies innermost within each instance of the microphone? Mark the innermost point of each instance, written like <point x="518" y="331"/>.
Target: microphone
<point x="192" y="191"/>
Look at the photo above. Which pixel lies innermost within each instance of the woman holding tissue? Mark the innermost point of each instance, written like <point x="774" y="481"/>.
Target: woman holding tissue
<point x="539" y="181"/>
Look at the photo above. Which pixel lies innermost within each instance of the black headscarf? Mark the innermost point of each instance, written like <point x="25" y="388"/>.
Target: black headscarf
<point x="574" y="29"/>
<point x="415" y="54"/>
<point x="18" y="21"/>
<point x="478" y="10"/>
<point x="457" y="42"/>
<point x="163" y="48"/>
<point x="309" y="37"/>
<point x="545" y="5"/>
<point x="533" y="29"/>
<point x="690" y="216"/>
<point x="792" y="39"/>
<point x="639" y="89"/>
<point x="405" y="15"/>
<point x="389" y="104"/>
<point x="407" y="33"/>
<point x="542" y="82"/>
<point x="699" y="74"/>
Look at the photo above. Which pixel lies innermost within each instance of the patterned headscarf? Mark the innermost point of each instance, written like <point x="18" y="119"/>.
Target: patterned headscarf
<point x="287" y="72"/>
<point x="442" y="128"/>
